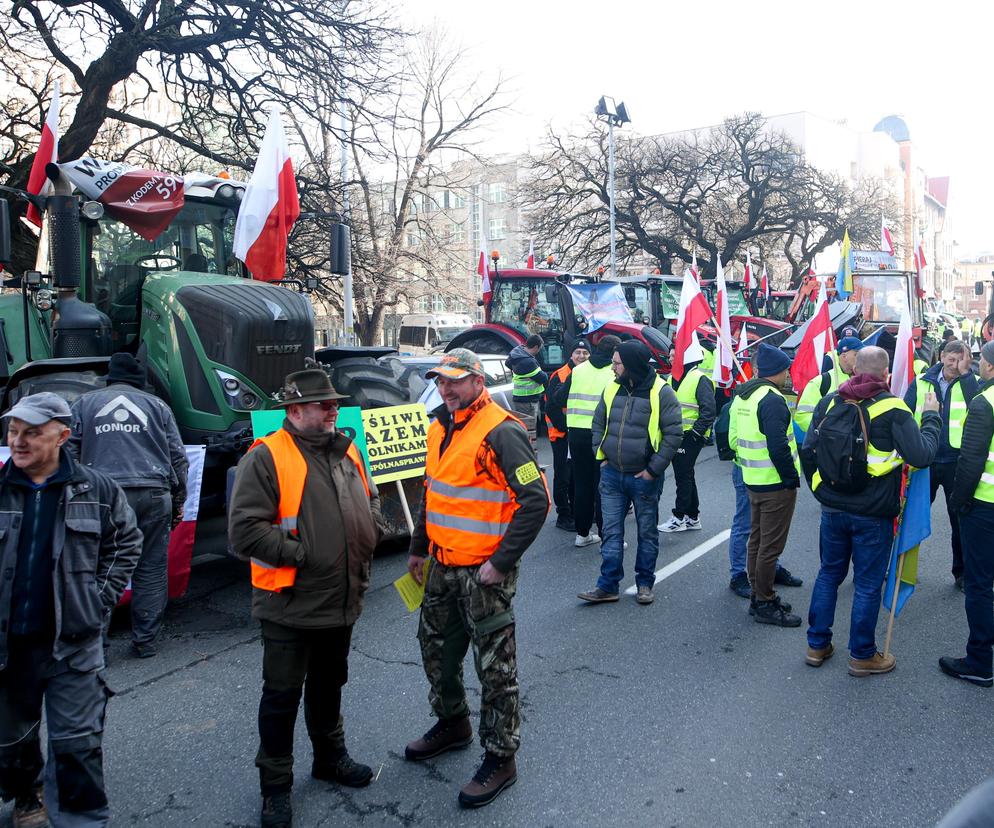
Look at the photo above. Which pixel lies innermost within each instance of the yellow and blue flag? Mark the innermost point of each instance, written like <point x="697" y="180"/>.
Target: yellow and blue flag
<point x="914" y="525"/>
<point x="843" y="278"/>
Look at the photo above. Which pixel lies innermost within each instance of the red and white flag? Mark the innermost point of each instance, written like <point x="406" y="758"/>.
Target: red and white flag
<point x="886" y="242"/>
<point x="747" y="277"/>
<point x="693" y="267"/>
<point x="764" y="284"/>
<point x="483" y="270"/>
<point x="48" y="153"/>
<point x="722" y="371"/>
<point x="269" y="208"/>
<point x="694" y="312"/>
<point x="531" y="254"/>
<point x="904" y="355"/>
<point x="816" y="341"/>
<point x="920" y="263"/>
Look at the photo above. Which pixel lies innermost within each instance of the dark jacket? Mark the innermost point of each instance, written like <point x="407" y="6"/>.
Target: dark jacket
<point x="893" y="430"/>
<point x="338" y="529"/>
<point x="560" y="396"/>
<point x="132" y="436"/>
<point x="95" y="547"/>
<point x="946" y="453"/>
<point x="978" y="439"/>
<point x="556" y="413"/>
<point x="625" y="428"/>
<point x="509" y="447"/>
<point x="521" y="362"/>
<point x="774" y="420"/>
<point x="707" y="407"/>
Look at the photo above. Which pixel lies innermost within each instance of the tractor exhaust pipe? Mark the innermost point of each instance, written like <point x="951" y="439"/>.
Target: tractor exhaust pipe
<point x="64" y="254"/>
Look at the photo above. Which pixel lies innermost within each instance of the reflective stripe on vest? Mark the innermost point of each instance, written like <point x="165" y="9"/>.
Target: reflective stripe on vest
<point x="810" y="397"/>
<point x="957" y="409"/>
<point x="655" y="432"/>
<point x="291" y="472"/>
<point x="524" y="385"/>
<point x="586" y="386"/>
<point x="751" y="449"/>
<point x="878" y="463"/>
<point x="985" y="488"/>
<point x="467" y="508"/>
<point x="563" y="374"/>
<point x="687" y="395"/>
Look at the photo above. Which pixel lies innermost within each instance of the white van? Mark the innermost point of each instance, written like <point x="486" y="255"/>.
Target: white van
<point x="420" y="333"/>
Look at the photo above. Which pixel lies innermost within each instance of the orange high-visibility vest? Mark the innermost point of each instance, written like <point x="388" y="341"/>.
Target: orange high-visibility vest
<point x="563" y="374"/>
<point x="467" y="511"/>
<point x="291" y="471"/>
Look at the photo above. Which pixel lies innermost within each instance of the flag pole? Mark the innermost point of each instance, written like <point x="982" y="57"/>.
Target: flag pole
<point x="893" y="605"/>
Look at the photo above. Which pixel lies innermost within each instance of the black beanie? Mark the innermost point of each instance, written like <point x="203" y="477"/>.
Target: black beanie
<point x="125" y="368"/>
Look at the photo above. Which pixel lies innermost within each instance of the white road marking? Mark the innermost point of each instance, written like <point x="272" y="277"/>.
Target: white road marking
<point x="688" y="558"/>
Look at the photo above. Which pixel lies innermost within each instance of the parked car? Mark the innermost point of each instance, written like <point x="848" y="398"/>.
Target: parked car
<point x="410" y="372"/>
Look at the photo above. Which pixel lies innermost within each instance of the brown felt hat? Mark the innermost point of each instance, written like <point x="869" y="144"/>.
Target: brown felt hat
<point x="307" y="386"/>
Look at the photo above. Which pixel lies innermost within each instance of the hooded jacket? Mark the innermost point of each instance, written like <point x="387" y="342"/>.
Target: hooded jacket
<point x="892" y="430"/>
<point x="560" y="394"/>
<point x="521" y="362"/>
<point x="338" y="530"/>
<point x="978" y="437"/>
<point x="626" y="441"/>
<point x="774" y="420"/>
<point x="968" y="382"/>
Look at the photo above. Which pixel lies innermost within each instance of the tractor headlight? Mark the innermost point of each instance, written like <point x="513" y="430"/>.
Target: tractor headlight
<point x="236" y="394"/>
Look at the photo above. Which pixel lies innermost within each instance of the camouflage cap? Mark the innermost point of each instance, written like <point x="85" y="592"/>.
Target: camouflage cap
<point x="456" y="364"/>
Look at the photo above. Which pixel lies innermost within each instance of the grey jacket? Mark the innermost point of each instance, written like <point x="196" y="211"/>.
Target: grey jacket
<point x="132" y="436"/>
<point x="95" y="548"/>
<point x="626" y="444"/>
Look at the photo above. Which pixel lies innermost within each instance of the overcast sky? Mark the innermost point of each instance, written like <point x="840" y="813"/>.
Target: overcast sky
<point x="690" y="64"/>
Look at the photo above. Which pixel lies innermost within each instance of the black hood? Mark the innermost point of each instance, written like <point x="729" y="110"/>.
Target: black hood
<point x="635" y="357"/>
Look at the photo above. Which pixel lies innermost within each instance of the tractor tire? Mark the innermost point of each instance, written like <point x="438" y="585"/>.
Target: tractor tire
<point x="368" y="383"/>
<point x="481" y="342"/>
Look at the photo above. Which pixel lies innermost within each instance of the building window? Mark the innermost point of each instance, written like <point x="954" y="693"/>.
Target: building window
<point x="437" y="303"/>
<point x="422" y="304"/>
<point x="457" y="232"/>
<point x="498" y="192"/>
<point x="476" y="237"/>
<point x="412" y="238"/>
<point x="497" y="228"/>
<point x="446" y="199"/>
<point x="456" y="199"/>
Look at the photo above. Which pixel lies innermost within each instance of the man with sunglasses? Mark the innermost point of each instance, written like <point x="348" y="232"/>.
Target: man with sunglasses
<point x="305" y="514"/>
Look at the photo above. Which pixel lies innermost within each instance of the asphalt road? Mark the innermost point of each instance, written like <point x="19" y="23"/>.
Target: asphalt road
<point x="682" y="713"/>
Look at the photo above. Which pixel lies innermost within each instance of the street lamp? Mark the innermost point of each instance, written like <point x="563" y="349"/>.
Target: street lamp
<point x="616" y="116"/>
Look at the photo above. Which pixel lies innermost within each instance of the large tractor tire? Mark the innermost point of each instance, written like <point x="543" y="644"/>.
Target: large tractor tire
<point x="368" y="383"/>
<point x="481" y="342"/>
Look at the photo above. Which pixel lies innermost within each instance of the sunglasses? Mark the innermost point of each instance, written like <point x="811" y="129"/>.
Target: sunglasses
<point x="326" y="405"/>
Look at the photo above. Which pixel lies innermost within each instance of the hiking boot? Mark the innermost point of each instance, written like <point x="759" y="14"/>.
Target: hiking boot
<point x="586" y="540"/>
<point x="566" y="524"/>
<point x="644" y="595"/>
<point x="494" y="775"/>
<point x="445" y="734"/>
<point x="148" y="650"/>
<point x="879" y="663"/>
<point x="598" y="596"/>
<point x="30" y="812"/>
<point x="958" y="668"/>
<point x="344" y="770"/>
<point x="785" y="578"/>
<point x="753" y="602"/>
<point x="739" y="584"/>
<point x="815" y="658"/>
<point x="692" y="523"/>
<point x="276" y="811"/>
<point x="776" y="613"/>
<point x="674" y="524"/>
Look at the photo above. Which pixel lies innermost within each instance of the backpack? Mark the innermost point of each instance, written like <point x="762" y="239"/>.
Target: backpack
<point x="841" y="447"/>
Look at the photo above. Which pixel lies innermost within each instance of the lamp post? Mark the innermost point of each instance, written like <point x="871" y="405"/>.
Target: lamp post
<point x="616" y="116"/>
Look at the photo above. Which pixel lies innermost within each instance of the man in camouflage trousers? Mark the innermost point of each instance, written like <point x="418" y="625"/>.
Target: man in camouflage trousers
<point x="485" y="502"/>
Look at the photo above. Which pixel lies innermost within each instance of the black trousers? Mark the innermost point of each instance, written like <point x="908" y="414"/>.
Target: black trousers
<point x="562" y="478"/>
<point x="687" y="503"/>
<point x="977" y="527"/>
<point x="942" y="474"/>
<point x="586" y="482"/>
<point x="309" y="662"/>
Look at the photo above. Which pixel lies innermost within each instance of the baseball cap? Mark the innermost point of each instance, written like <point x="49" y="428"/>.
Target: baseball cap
<point x="456" y="364"/>
<point x="37" y="409"/>
<point x="850" y="343"/>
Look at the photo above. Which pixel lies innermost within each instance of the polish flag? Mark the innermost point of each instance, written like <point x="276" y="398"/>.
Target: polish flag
<point x="269" y="208"/>
<point x="817" y="340"/>
<point x="920" y="263"/>
<point x="722" y="371"/>
<point x="904" y="355"/>
<point x="693" y="267"/>
<point x="484" y="271"/>
<point x="694" y="312"/>
<point x="764" y="284"/>
<point x="531" y="254"/>
<point x="747" y="278"/>
<point x="48" y="153"/>
<point x="886" y="242"/>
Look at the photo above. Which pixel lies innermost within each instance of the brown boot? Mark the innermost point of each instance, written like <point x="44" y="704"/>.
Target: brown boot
<point x="494" y="775"/>
<point x="815" y="658"/>
<point x="879" y="663"/>
<point x="447" y="734"/>
<point x="29" y="811"/>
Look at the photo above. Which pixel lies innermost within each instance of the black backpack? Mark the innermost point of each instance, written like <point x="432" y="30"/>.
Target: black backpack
<point x="725" y="451"/>
<point x="840" y="450"/>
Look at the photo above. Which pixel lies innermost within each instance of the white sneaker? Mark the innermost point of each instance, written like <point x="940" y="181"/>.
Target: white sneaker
<point x="675" y="524"/>
<point x="586" y="540"/>
<point x="690" y="523"/>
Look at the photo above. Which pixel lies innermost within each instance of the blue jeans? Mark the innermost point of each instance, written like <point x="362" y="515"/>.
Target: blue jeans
<point x="617" y="490"/>
<point x="866" y="541"/>
<point x="738" y="541"/>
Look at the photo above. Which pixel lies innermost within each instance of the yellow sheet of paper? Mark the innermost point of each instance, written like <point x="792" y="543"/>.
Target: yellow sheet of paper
<point x="409" y="589"/>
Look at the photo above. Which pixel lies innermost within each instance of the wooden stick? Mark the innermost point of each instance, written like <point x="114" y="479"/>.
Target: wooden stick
<point x="407" y="509"/>
<point x="893" y="606"/>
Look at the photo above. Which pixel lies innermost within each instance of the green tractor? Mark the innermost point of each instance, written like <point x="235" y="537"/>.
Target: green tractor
<point x="217" y="344"/>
